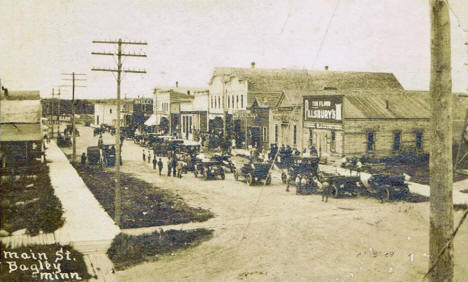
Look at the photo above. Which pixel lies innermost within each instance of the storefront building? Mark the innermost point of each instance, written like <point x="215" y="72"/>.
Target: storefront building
<point x="367" y="123"/>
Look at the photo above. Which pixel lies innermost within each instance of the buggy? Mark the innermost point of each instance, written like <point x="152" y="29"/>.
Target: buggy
<point x="254" y="172"/>
<point x="209" y="169"/>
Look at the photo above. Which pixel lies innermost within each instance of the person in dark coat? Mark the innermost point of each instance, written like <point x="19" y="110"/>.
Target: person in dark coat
<point x="160" y="166"/>
<point x="144" y="155"/>
<point x="83" y="158"/>
<point x="154" y="162"/>
<point x="174" y="166"/>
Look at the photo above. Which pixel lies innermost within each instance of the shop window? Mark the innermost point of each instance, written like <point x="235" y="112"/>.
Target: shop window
<point x="219" y="102"/>
<point x="242" y="101"/>
<point x="396" y="141"/>
<point x="419" y="140"/>
<point x="294" y="135"/>
<point x="237" y="101"/>
<point x="190" y="124"/>
<point x="370" y="141"/>
<point x="229" y="102"/>
<point x="276" y="134"/>
<point x="333" y="141"/>
<point x="311" y="136"/>
<point x="110" y="111"/>
<point x="264" y="134"/>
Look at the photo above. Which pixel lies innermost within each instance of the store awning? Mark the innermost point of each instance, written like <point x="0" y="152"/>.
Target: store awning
<point x="10" y="132"/>
<point x="151" y="120"/>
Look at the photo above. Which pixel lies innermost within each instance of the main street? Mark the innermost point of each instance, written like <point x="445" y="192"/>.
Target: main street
<point x="266" y="233"/>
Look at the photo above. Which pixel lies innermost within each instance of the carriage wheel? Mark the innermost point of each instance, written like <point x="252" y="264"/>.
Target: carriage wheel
<point x="249" y="179"/>
<point x="268" y="180"/>
<point x="335" y="190"/>
<point x="284" y="177"/>
<point x="236" y="175"/>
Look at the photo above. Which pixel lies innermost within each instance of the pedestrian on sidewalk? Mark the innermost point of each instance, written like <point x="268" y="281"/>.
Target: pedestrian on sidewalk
<point x="149" y="156"/>
<point x="144" y="155"/>
<point x="160" y="166"/>
<point x="154" y="162"/>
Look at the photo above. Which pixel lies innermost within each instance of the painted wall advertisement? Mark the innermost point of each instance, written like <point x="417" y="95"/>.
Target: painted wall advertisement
<point x="325" y="108"/>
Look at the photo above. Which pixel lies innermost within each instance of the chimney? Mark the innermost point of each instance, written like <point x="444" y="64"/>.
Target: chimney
<point x="326" y="68"/>
<point x="252" y="64"/>
<point x="176" y="84"/>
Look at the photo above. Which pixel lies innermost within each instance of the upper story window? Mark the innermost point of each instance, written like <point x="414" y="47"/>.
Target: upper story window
<point x="396" y="140"/>
<point x="237" y="101"/>
<point x="110" y="111"/>
<point x="370" y="141"/>
<point x="242" y="101"/>
<point x="229" y="102"/>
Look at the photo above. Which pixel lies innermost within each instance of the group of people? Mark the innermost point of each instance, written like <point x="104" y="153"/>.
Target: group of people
<point x="174" y="166"/>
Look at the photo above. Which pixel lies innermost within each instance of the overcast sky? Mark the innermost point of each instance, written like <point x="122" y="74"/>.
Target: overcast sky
<point x="187" y="39"/>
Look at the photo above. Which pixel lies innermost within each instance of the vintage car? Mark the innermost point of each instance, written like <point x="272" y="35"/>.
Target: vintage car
<point x="64" y="140"/>
<point x="69" y="129"/>
<point x="225" y="160"/>
<point x="303" y="167"/>
<point x="254" y="172"/>
<point x="166" y="144"/>
<point x="209" y="169"/>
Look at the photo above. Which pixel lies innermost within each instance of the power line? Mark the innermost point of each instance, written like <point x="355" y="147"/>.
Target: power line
<point x="119" y="71"/>
<point x="326" y="33"/>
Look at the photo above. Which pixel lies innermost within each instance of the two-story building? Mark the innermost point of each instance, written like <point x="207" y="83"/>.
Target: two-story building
<point x="286" y="118"/>
<point x="105" y="111"/>
<point x="180" y="110"/>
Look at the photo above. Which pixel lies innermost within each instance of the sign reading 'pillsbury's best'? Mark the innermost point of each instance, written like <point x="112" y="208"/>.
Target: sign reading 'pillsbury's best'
<point x="323" y="108"/>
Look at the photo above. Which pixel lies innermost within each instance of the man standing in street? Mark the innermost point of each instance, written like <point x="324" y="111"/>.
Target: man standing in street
<point x="144" y="155"/>
<point x="160" y="166"/>
<point x="154" y="162"/>
<point x="169" y="166"/>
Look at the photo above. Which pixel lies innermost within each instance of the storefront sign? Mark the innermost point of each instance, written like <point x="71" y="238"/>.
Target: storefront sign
<point x="317" y="125"/>
<point x="324" y="108"/>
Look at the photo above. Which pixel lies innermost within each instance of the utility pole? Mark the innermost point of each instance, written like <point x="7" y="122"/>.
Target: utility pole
<point x="58" y="113"/>
<point x="119" y="70"/>
<point x="73" y="108"/>
<point x="441" y="202"/>
<point x="51" y="107"/>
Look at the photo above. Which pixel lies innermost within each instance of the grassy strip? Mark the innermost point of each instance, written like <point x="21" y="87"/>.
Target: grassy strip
<point x="30" y="203"/>
<point x="127" y="250"/>
<point x="143" y="204"/>
<point x="24" y="263"/>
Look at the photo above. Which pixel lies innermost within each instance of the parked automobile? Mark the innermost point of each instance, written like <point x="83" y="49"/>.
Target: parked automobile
<point x="302" y="167"/>
<point x="254" y="172"/>
<point x="208" y="169"/>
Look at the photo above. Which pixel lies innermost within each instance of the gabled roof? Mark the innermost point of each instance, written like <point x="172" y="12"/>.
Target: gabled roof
<point x="263" y="99"/>
<point x="20" y="111"/>
<point x="21" y="95"/>
<point x="387" y="106"/>
<point x="301" y="79"/>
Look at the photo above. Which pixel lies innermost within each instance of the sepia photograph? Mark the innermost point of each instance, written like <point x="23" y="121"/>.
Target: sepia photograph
<point x="234" y="140"/>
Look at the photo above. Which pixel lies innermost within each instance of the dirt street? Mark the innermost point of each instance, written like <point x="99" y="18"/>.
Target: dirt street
<point x="266" y="233"/>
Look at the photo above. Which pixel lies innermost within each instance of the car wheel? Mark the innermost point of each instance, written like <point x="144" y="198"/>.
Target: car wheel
<point x="268" y="180"/>
<point x="284" y="177"/>
<point x="250" y="179"/>
<point x="385" y="194"/>
<point x="335" y="190"/>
